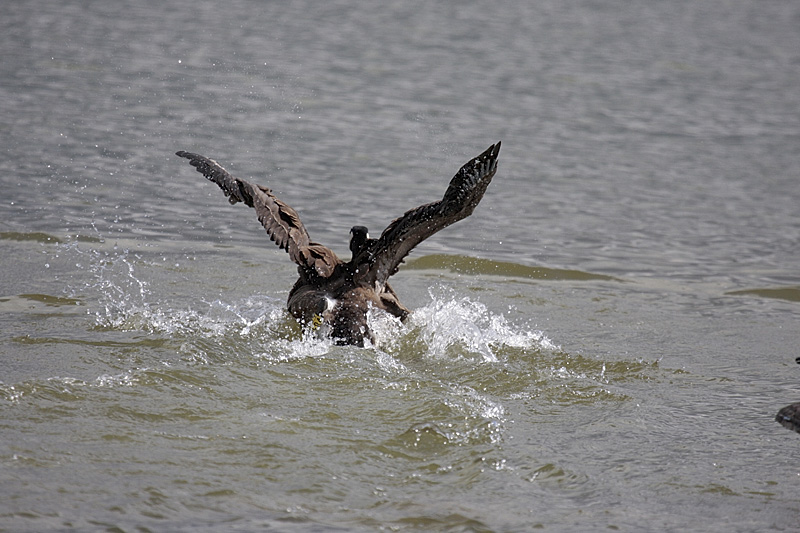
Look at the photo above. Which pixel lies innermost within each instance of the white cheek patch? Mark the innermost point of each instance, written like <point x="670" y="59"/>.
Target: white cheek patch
<point x="331" y="303"/>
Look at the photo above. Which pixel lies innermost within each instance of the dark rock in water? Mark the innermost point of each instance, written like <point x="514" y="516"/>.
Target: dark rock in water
<point x="789" y="417"/>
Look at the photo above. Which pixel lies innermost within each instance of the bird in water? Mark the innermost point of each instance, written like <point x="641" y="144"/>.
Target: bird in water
<point x="789" y="416"/>
<point x="338" y="293"/>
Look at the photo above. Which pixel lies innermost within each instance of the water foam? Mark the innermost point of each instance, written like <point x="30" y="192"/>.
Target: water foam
<point x="450" y="325"/>
<point x="450" y="321"/>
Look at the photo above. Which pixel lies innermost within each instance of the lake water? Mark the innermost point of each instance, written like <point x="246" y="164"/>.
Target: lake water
<point x="603" y="345"/>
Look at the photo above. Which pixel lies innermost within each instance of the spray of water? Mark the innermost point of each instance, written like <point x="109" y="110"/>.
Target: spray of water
<point x="449" y="325"/>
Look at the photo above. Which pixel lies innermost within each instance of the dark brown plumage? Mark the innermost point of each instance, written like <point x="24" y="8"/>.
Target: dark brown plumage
<point x="789" y="417"/>
<point x="336" y="292"/>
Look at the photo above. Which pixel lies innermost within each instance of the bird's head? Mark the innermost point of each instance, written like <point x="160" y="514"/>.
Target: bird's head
<point x="358" y="237"/>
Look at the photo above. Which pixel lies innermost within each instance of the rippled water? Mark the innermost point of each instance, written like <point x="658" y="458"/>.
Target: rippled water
<point x="603" y="344"/>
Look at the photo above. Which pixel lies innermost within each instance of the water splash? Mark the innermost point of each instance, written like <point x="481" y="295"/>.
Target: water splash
<point x="449" y="322"/>
<point x="449" y="326"/>
<point x="309" y="345"/>
<point x="126" y="302"/>
<point x="122" y="294"/>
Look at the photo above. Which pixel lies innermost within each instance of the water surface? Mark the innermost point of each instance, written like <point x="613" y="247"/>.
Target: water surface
<point x="603" y="344"/>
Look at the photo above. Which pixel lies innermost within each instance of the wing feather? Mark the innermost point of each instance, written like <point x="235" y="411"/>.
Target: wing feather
<point x="465" y="191"/>
<point x="282" y="223"/>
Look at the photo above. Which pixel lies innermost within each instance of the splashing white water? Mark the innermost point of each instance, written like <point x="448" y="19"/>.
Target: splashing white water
<point x="126" y="301"/>
<point x="450" y="321"/>
<point x="450" y="325"/>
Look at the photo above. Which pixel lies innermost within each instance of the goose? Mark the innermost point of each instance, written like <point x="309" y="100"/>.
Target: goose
<point x="338" y="293"/>
<point x="789" y="417"/>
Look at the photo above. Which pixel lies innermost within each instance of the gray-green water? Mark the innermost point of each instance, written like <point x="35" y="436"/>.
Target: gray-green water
<point x="603" y="345"/>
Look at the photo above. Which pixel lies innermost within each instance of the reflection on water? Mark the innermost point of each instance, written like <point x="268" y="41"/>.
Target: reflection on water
<point x="29" y="236"/>
<point x="791" y="294"/>
<point x="474" y="265"/>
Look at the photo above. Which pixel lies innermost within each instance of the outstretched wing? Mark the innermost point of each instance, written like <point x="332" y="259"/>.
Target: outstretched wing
<point x="282" y="223"/>
<point x="404" y="233"/>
